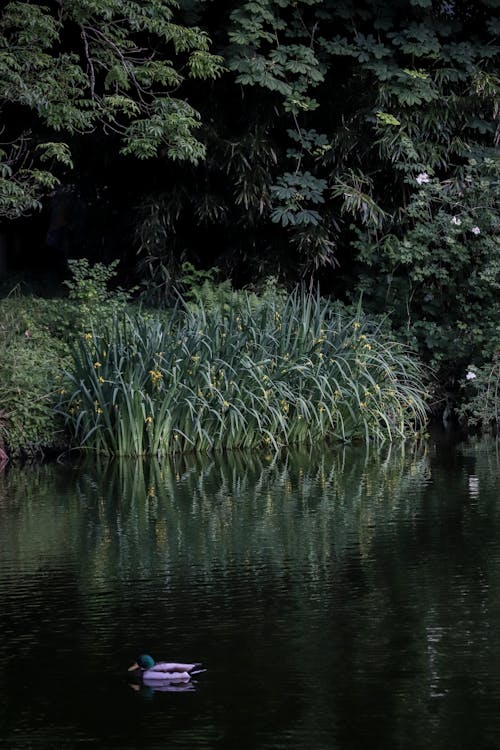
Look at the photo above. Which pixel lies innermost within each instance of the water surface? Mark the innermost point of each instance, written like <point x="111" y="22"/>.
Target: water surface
<point x="339" y="599"/>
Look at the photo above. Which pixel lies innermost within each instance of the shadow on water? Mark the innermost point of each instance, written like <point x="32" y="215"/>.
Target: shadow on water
<point x="340" y="599"/>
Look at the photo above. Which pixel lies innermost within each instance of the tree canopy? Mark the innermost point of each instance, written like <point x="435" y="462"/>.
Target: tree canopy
<point x="70" y="66"/>
<point x="351" y="143"/>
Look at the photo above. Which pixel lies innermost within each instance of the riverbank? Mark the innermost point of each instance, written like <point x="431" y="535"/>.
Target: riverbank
<point x="265" y="372"/>
<point x="223" y="371"/>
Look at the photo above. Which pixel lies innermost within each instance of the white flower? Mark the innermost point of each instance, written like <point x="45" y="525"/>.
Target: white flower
<point x="475" y="230"/>
<point x="422" y="178"/>
<point x="455" y="220"/>
<point x="471" y="375"/>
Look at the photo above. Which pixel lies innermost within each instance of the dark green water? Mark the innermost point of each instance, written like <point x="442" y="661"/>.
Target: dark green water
<point x="339" y="600"/>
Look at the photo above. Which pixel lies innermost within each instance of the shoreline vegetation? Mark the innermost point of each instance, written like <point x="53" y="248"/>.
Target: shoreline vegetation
<point x="219" y="370"/>
<point x="248" y="371"/>
<point x="271" y="374"/>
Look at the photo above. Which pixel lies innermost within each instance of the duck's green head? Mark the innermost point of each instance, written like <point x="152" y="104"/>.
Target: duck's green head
<point x="145" y="661"/>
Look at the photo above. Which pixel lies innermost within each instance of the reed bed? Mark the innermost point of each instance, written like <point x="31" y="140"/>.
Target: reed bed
<point x="282" y="372"/>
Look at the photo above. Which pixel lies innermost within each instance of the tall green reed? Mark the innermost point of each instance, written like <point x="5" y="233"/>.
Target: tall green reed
<point x="284" y="372"/>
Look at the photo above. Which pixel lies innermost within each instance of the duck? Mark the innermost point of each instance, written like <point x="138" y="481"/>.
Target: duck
<point x="157" y="673"/>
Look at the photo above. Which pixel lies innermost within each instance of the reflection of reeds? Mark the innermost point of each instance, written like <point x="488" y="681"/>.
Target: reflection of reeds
<point x="213" y="513"/>
<point x="284" y="373"/>
<point x="209" y="511"/>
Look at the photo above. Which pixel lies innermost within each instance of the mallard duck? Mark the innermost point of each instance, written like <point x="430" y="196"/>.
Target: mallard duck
<point x="155" y="673"/>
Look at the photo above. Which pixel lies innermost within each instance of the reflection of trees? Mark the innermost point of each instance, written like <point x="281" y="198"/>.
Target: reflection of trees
<point x="365" y="582"/>
<point x="39" y="513"/>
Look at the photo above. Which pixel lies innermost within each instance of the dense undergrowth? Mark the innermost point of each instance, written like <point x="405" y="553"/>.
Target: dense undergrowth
<point x="33" y="350"/>
<point x="35" y="338"/>
<point x="223" y="370"/>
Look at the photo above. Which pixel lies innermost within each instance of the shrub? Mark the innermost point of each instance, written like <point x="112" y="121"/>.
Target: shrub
<point x="33" y="355"/>
<point x="88" y="288"/>
<point x="481" y="388"/>
<point x="436" y="268"/>
<point x="34" y="349"/>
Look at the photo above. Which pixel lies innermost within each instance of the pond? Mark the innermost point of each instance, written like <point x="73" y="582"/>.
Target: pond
<point x="339" y="599"/>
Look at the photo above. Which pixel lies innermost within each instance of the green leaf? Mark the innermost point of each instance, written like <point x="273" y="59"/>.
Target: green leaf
<point x="387" y="119"/>
<point x="56" y="150"/>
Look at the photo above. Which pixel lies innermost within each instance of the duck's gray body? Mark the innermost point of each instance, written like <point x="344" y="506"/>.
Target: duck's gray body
<point x="167" y="671"/>
<point x="164" y="672"/>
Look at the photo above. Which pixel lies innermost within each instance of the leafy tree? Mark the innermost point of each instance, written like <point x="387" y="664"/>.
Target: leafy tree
<point x="338" y="111"/>
<point x="438" y="275"/>
<point x="70" y="66"/>
<point x="332" y="111"/>
<point x="368" y="93"/>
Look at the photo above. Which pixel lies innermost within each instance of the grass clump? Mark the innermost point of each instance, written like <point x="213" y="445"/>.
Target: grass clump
<point x="286" y="371"/>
